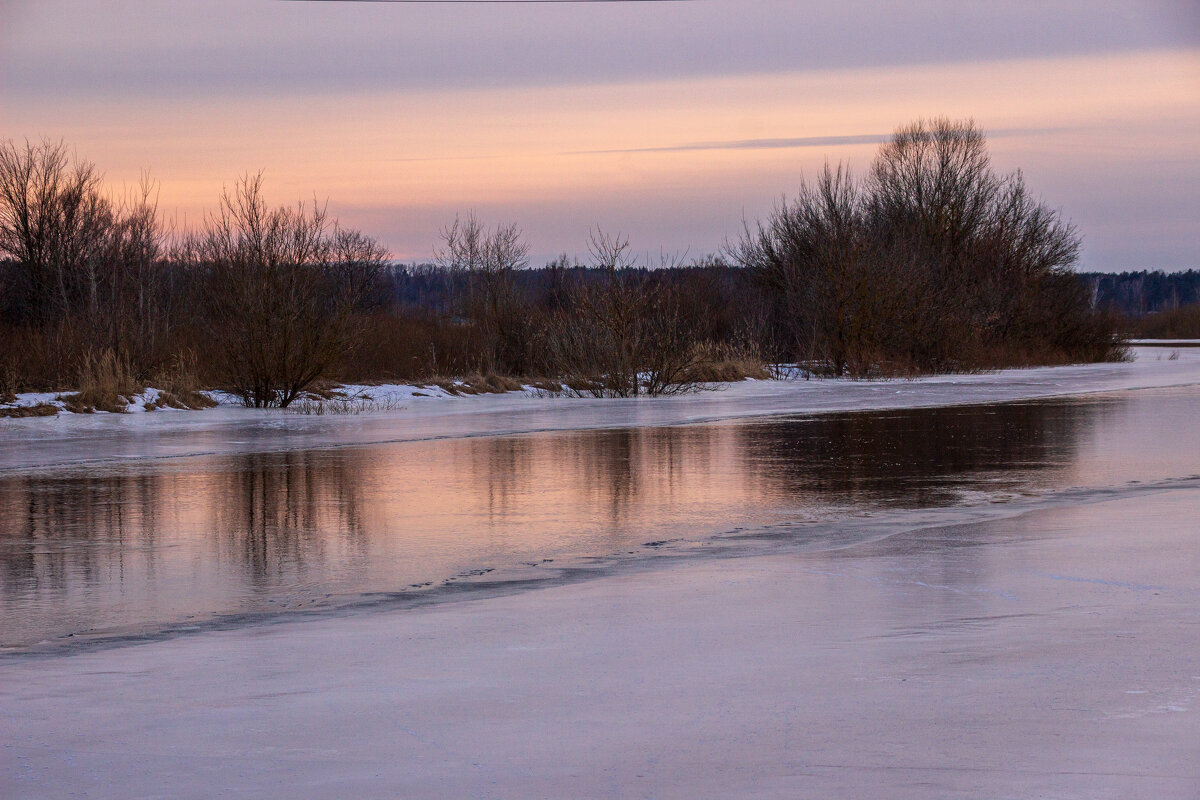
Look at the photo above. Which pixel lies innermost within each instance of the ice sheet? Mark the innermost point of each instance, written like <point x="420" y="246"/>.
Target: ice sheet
<point x="1049" y="655"/>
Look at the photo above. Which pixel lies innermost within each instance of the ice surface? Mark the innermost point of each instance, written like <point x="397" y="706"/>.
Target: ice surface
<point x="1050" y="655"/>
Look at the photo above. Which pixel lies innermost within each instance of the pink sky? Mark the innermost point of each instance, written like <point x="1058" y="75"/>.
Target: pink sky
<point x="669" y="122"/>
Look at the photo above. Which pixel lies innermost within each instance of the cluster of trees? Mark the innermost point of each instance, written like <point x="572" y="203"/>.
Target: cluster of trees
<point x="932" y="262"/>
<point x="614" y="328"/>
<point x="261" y="300"/>
<point x="76" y="253"/>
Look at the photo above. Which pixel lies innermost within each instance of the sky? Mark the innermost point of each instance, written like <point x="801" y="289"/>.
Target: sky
<point x="672" y="123"/>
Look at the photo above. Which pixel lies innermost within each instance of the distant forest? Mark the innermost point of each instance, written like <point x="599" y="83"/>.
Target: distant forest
<point x="1136" y="294"/>
<point x="425" y="285"/>
<point x="1144" y="302"/>
<point x="1149" y="304"/>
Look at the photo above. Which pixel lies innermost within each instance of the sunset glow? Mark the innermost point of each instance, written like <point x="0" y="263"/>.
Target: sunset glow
<point x="674" y="160"/>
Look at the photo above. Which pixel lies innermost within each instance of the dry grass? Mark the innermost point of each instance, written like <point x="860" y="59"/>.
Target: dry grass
<point x="495" y="384"/>
<point x="727" y="363"/>
<point x="179" y="385"/>
<point x="40" y="410"/>
<point x="324" y="390"/>
<point x="106" y="382"/>
<point x="479" y="384"/>
<point x="730" y="371"/>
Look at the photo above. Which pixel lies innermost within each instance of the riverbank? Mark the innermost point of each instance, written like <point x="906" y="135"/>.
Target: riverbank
<point x="407" y="413"/>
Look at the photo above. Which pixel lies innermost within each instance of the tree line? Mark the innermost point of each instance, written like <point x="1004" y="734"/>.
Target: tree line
<point x="1143" y="292"/>
<point x="930" y="262"/>
<point x="1149" y="304"/>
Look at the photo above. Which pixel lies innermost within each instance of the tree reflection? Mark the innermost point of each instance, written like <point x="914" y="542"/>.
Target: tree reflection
<point x="209" y="535"/>
<point x="283" y="512"/>
<point x="915" y="457"/>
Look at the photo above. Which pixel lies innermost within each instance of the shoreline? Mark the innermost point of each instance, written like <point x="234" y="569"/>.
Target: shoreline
<point x="92" y="440"/>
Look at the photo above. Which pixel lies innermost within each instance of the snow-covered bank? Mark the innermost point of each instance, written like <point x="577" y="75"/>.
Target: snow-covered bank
<point x="415" y="413"/>
<point x="1046" y="655"/>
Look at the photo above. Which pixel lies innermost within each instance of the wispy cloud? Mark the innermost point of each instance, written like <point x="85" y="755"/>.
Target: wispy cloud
<point x="792" y="142"/>
<point x="750" y="144"/>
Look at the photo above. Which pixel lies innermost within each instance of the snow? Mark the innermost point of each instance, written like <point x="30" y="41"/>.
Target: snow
<point x="400" y="413"/>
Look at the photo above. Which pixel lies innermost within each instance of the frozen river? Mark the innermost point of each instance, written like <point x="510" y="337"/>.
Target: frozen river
<point x="991" y="600"/>
<point x="98" y="551"/>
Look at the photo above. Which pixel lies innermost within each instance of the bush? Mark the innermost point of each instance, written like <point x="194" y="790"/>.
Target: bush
<point x="622" y="335"/>
<point x="8" y="383"/>
<point x="284" y="288"/>
<point x="411" y="345"/>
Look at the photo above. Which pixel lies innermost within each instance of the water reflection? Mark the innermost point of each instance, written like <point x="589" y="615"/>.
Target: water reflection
<point x="183" y="539"/>
<point x="920" y="458"/>
<point x="272" y="514"/>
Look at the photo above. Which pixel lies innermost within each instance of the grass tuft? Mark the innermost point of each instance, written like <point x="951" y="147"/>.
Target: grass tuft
<point x="106" y="383"/>
<point x="179" y="386"/>
<point x="39" y="410"/>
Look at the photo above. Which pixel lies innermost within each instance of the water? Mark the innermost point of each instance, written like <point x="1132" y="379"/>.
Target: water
<point x="107" y="550"/>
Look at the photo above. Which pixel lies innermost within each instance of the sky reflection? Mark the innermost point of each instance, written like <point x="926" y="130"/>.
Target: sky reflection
<point x="176" y="541"/>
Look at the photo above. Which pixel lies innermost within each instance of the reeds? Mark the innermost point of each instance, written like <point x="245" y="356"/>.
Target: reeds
<point x="105" y="383"/>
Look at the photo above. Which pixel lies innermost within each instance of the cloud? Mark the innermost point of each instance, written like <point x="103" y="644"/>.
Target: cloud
<point x="115" y="48"/>
<point x="796" y="142"/>
<point x="751" y="144"/>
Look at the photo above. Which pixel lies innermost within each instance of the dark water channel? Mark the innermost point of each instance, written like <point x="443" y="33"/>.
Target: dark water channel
<point x="137" y="547"/>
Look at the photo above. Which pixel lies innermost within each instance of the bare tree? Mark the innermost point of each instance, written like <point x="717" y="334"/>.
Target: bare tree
<point x="283" y="286"/>
<point x="489" y="258"/>
<point x="52" y="222"/>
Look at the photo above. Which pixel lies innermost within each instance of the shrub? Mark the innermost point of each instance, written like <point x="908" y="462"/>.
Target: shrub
<point x="8" y="383"/>
<point x="622" y="336"/>
<point x="284" y="289"/>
